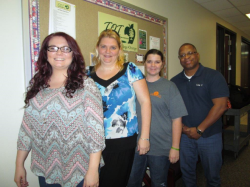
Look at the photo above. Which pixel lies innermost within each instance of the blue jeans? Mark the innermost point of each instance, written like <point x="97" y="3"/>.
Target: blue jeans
<point x="209" y="149"/>
<point x="158" y="166"/>
<point x="44" y="184"/>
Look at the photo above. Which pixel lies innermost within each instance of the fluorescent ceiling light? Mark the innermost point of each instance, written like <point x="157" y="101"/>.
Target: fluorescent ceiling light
<point x="248" y="15"/>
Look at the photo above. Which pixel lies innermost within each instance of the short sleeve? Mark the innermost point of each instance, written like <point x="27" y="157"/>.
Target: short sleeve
<point x="134" y="73"/>
<point x="24" y="141"/>
<point x="177" y="107"/>
<point x="218" y="86"/>
<point x="93" y="115"/>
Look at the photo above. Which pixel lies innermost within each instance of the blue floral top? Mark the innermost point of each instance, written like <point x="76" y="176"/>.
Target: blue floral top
<point x="119" y="106"/>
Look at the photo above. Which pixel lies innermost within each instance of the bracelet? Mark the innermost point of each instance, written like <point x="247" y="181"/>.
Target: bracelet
<point x="175" y="149"/>
<point x="145" y="139"/>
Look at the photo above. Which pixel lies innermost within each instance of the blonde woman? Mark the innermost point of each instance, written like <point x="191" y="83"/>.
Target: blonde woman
<point x="120" y="85"/>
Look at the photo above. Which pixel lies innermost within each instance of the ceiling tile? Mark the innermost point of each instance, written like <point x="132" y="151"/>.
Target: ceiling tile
<point x="232" y="11"/>
<point x="244" y="9"/>
<point x="217" y="5"/>
<point x="228" y="12"/>
<point x="240" y="2"/>
<point x="203" y="1"/>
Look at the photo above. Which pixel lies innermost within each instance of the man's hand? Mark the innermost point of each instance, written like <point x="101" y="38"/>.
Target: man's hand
<point x="185" y="129"/>
<point x="191" y="132"/>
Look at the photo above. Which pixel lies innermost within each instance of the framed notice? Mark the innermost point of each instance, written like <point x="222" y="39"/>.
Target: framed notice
<point x="154" y="42"/>
<point x="139" y="58"/>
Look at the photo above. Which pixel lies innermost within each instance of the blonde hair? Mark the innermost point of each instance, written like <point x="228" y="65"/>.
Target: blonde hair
<point x="109" y="34"/>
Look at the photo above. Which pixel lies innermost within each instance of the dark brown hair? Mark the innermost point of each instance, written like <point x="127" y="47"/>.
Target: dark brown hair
<point x="154" y="52"/>
<point x="75" y="72"/>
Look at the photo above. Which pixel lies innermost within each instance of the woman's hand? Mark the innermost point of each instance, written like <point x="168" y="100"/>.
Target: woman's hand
<point x="20" y="177"/>
<point x="174" y="156"/>
<point x="20" y="174"/>
<point x="143" y="146"/>
<point x="91" y="179"/>
<point x="142" y="94"/>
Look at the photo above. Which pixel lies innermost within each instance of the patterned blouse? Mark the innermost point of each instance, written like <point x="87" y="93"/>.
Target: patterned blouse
<point x="62" y="132"/>
<point x="119" y="107"/>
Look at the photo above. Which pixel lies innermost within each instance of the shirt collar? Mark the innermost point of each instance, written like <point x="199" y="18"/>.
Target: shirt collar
<point x="197" y="73"/>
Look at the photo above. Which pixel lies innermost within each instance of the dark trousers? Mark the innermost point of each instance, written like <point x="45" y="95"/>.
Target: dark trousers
<point x="158" y="167"/>
<point x="118" y="157"/>
<point x="44" y="184"/>
<point x="117" y="168"/>
<point x="210" y="151"/>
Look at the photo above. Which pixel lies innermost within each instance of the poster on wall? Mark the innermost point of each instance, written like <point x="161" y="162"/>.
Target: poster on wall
<point x="62" y="17"/>
<point x="142" y="39"/>
<point x="125" y="28"/>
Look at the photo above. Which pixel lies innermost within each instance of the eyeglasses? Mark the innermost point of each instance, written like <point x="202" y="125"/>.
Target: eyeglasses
<point x="64" y="49"/>
<point x="188" y="54"/>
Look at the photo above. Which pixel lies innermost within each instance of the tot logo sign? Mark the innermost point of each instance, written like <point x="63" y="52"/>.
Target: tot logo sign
<point x="129" y="31"/>
<point x="125" y="28"/>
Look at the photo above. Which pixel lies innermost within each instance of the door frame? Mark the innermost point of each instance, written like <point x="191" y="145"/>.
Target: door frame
<point x="221" y="31"/>
<point x="247" y="42"/>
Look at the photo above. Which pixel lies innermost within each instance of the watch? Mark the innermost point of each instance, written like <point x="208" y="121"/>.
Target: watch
<point x="199" y="131"/>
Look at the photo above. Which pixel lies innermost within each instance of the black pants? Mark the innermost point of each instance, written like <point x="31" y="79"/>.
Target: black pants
<point x="118" y="162"/>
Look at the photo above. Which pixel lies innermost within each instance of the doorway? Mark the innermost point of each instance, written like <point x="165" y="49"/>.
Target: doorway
<point x="245" y="63"/>
<point x="226" y="53"/>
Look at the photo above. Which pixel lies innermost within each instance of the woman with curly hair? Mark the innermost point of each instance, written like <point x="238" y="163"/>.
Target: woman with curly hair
<point x="63" y="119"/>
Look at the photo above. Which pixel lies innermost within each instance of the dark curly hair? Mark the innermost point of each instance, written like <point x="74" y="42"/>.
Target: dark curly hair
<point x="75" y="72"/>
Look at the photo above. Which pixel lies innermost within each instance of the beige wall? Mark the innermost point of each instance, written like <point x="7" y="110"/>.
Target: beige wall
<point x="187" y="22"/>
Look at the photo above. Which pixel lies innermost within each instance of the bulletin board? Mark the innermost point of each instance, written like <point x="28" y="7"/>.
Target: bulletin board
<point x="87" y="25"/>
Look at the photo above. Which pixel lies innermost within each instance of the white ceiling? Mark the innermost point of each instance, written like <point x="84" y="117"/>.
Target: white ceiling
<point x="232" y="11"/>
